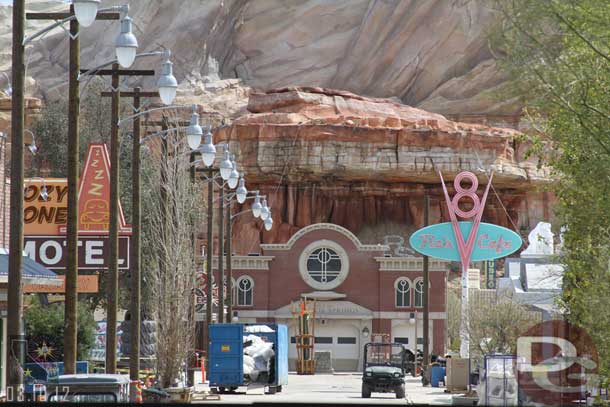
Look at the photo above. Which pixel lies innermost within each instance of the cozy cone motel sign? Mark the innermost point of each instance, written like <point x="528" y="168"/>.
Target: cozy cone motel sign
<point x="45" y="219"/>
<point x="465" y="241"/>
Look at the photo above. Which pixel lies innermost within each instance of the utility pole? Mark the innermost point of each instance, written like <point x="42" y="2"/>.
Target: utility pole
<point x="71" y="322"/>
<point x="15" y="289"/>
<point x="229" y="265"/>
<point x="221" y="254"/>
<point x="426" y="359"/>
<point x="113" y="238"/>
<point x="134" y="253"/>
<point x="71" y="295"/>
<point x="208" y="265"/>
<point x="135" y="248"/>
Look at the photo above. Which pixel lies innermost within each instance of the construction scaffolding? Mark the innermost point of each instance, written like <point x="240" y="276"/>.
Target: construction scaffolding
<point x="304" y="314"/>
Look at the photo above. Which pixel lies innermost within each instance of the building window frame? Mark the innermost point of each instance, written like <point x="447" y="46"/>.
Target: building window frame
<point x="323" y="244"/>
<point x="419" y="294"/>
<point x="399" y="292"/>
<point x="233" y="292"/>
<point x="245" y="294"/>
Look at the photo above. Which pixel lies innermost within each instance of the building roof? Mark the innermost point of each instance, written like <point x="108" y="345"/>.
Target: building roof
<point x="32" y="271"/>
<point x="543" y="276"/>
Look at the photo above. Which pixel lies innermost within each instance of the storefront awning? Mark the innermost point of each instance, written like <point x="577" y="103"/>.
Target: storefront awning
<point x="33" y="273"/>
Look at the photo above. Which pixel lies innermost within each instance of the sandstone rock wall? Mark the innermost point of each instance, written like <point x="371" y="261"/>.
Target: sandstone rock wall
<point x="432" y="54"/>
<point x="323" y="155"/>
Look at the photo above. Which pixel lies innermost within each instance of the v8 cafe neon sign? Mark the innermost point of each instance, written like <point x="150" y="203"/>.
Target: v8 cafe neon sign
<point x="465" y="241"/>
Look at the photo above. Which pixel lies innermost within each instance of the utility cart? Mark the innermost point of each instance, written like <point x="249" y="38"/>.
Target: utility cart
<point x="384" y="369"/>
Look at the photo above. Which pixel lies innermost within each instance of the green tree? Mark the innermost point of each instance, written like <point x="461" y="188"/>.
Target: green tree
<point x="558" y="52"/>
<point x="44" y="325"/>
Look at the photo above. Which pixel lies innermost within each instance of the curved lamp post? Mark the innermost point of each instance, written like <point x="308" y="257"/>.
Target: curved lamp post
<point x="31" y="146"/>
<point x="166" y="83"/>
<point x="83" y="9"/>
<point x="255" y="209"/>
<point x="193" y="131"/>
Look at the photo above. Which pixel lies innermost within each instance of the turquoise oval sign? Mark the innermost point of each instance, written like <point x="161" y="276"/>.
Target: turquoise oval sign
<point x="492" y="241"/>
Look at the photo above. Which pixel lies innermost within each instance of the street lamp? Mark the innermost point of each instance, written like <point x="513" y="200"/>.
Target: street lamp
<point x="31" y="146"/>
<point x="229" y="251"/>
<point x="85" y="11"/>
<point x="167" y="83"/>
<point x="226" y="166"/>
<point x="257" y="207"/>
<point x="241" y="191"/>
<point x="84" y="14"/>
<point x="126" y="44"/>
<point x="208" y="150"/>
<point x="265" y="211"/>
<point x="193" y="131"/>
<point x="44" y="193"/>
<point x="9" y="89"/>
<point x="268" y="221"/>
<point x="234" y="176"/>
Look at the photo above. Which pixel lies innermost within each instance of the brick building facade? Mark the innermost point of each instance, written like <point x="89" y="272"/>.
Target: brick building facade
<point x="359" y="288"/>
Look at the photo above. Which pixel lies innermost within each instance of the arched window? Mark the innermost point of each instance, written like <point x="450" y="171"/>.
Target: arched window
<point x="245" y="291"/>
<point x="402" y="288"/>
<point x="419" y="293"/>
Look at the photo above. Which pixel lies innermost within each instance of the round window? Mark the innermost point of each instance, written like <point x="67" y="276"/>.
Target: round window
<point x="323" y="265"/>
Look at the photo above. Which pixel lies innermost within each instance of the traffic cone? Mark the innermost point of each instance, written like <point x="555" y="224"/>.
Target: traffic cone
<point x="139" y="392"/>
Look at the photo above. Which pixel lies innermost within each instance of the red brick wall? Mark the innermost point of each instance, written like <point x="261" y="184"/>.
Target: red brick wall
<point x="365" y="284"/>
<point x="361" y="285"/>
<point x="438" y="330"/>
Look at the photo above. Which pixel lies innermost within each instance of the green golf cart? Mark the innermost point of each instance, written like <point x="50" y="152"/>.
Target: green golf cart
<point x="384" y="369"/>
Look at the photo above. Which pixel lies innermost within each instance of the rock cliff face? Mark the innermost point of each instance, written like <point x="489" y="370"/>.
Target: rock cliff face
<point x="323" y="155"/>
<point x="431" y="54"/>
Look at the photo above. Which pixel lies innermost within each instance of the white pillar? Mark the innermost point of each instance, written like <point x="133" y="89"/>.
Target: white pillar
<point x="464" y="339"/>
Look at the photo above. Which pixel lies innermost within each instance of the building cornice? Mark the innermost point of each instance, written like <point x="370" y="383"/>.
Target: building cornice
<point x="243" y="262"/>
<point x="410" y="263"/>
<point x="326" y="226"/>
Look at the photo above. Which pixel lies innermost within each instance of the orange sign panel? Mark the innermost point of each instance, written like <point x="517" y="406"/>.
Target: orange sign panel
<point x="86" y="284"/>
<point x="45" y="205"/>
<point x="94" y="193"/>
<point x="48" y="217"/>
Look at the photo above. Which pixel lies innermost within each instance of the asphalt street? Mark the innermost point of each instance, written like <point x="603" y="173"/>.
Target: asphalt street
<point x="335" y="388"/>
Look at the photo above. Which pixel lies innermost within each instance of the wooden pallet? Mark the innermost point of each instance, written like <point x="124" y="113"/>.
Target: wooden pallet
<point x="204" y="395"/>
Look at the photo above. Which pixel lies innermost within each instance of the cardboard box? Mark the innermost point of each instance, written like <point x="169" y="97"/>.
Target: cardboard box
<point x="458" y="374"/>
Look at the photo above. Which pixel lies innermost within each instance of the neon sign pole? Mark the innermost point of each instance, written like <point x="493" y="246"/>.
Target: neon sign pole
<point x="465" y="249"/>
<point x="484" y="241"/>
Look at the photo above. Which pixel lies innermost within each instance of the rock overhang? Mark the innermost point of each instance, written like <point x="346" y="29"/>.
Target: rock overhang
<point x="316" y="134"/>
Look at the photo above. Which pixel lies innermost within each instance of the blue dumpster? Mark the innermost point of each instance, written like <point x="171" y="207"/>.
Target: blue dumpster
<point x="437" y="375"/>
<point x="226" y="357"/>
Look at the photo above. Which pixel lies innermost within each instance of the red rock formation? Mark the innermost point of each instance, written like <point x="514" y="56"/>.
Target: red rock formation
<point x="323" y="155"/>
